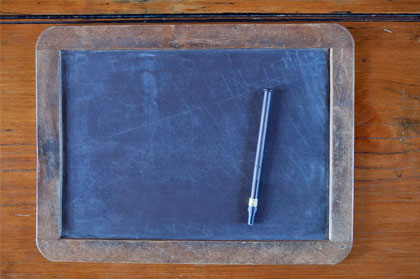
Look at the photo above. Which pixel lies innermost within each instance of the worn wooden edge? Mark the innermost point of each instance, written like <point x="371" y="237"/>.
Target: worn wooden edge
<point x="191" y="36"/>
<point x="197" y="252"/>
<point x="48" y="144"/>
<point x="195" y="36"/>
<point x="341" y="143"/>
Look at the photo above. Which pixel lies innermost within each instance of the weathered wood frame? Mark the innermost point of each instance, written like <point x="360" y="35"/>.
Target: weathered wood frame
<point x="194" y="36"/>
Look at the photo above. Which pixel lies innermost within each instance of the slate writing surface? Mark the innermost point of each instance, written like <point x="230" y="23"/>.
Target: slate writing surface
<point x="160" y="144"/>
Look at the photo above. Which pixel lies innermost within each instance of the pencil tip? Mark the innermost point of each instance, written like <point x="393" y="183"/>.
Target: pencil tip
<point x="251" y="214"/>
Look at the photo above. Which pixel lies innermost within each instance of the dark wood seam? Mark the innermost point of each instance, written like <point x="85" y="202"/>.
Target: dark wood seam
<point x="222" y="17"/>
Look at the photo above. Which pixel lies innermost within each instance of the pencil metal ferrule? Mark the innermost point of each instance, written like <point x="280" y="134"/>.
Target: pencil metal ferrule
<point x="253" y="202"/>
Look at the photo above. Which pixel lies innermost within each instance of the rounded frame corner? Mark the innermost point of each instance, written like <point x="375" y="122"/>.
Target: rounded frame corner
<point x="44" y="37"/>
<point x="344" y="253"/>
<point x="344" y="32"/>
<point x="44" y="249"/>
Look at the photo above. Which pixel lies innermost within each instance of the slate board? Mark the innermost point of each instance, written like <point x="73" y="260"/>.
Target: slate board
<point x="161" y="144"/>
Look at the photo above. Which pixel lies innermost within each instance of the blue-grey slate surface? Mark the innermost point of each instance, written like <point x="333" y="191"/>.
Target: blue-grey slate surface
<point x="161" y="144"/>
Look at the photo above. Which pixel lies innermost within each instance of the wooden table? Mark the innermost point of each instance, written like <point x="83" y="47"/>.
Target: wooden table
<point x="387" y="142"/>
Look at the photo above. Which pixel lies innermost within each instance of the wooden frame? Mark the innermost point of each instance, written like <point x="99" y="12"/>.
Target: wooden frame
<point x="195" y="36"/>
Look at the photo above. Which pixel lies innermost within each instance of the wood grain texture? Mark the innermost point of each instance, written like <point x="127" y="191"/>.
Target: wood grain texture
<point x="387" y="163"/>
<point x="49" y="7"/>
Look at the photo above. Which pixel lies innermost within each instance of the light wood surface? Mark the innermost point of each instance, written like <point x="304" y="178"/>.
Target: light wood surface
<point x="387" y="167"/>
<point x="49" y="7"/>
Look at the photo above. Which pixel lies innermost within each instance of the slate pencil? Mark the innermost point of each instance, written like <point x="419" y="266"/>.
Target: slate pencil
<point x="253" y="200"/>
